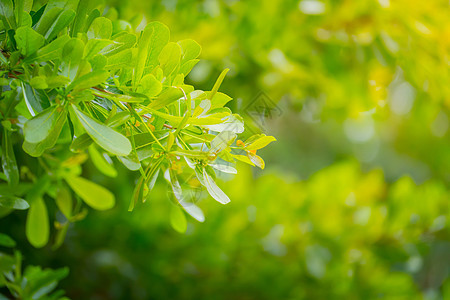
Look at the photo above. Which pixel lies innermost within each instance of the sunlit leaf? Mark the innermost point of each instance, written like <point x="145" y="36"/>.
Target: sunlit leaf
<point x="91" y="193"/>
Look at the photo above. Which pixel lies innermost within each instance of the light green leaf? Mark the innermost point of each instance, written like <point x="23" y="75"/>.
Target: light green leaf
<point x="223" y="140"/>
<point x="150" y="86"/>
<point x="88" y="80"/>
<point x="101" y="163"/>
<point x="71" y="57"/>
<point x="153" y="39"/>
<point x="168" y="96"/>
<point x="213" y="189"/>
<point x="50" y="15"/>
<point x="64" y="201"/>
<point x="92" y="194"/>
<point x="261" y="142"/>
<point x="169" y="58"/>
<point x="51" y="51"/>
<point x="104" y="136"/>
<point x="257" y="160"/>
<point x="101" y="28"/>
<point x="38" y="128"/>
<point x="37" y="226"/>
<point x="28" y="41"/>
<point x="119" y="60"/>
<point x="178" y="219"/>
<point x="186" y="67"/>
<point x="64" y="19"/>
<point x="217" y="84"/>
<point x="191" y="50"/>
<point x="37" y="149"/>
<point x="96" y="46"/>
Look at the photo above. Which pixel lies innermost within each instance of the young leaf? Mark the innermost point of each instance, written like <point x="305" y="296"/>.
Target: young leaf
<point x="104" y="136"/>
<point x="28" y="41"/>
<point x="92" y="194"/>
<point x="217" y="84"/>
<point x="150" y="86"/>
<point x="191" y="50"/>
<point x="213" y="189"/>
<point x="153" y="39"/>
<point x="259" y="143"/>
<point x="169" y="58"/>
<point x="101" y="28"/>
<point x="37" y="226"/>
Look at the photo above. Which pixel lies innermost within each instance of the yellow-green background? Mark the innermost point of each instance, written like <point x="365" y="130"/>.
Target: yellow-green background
<point x="354" y="200"/>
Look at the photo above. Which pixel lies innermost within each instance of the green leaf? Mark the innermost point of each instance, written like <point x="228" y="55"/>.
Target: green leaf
<point x="104" y="136"/>
<point x="260" y="142"/>
<point x="37" y="226"/>
<point x="150" y="86"/>
<point x="191" y="50"/>
<point x="7" y="14"/>
<point x="6" y="241"/>
<point x="9" y="163"/>
<point x="50" y="15"/>
<point x="36" y="101"/>
<point x="88" y="80"/>
<point x="12" y="202"/>
<point x="101" y="163"/>
<point x="153" y="39"/>
<point x="222" y="141"/>
<point x="186" y="67"/>
<point x="38" y="128"/>
<point x="64" y="201"/>
<point x="101" y="28"/>
<point x="81" y="143"/>
<point x="64" y="19"/>
<point x="213" y="189"/>
<point x="168" y="96"/>
<point x="257" y="160"/>
<point x="96" y="46"/>
<point x="51" y="51"/>
<point x="178" y="219"/>
<point x="92" y="194"/>
<point x="217" y="84"/>
<point x="28" y="41"/>
<point x="71" y="57"/>
<point x="169" y="58"/>
<point x="119" y="60"/>
<point x="21" y="10"/>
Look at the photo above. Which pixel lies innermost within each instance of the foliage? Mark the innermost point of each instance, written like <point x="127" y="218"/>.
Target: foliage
<point x="82" y="87"/>
<point x="34" y="282"/>
<point x="354" y="202"/>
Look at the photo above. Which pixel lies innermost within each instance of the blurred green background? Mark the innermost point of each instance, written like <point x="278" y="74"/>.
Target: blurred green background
<point x="354" y="200"/>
